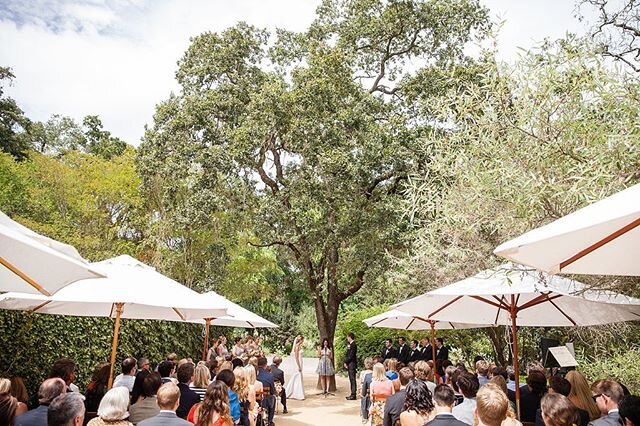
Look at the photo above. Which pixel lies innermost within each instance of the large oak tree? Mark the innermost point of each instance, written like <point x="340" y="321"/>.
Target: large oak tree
<point x="312" y="136"/>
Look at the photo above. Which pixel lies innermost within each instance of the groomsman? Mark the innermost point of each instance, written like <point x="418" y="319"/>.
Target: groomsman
<point x="414" y="355"/>
<point x="442" y="351"/>
<point x="426" y="353"/>
<point x="403" y="351"/>
<point x="389" y="351"/>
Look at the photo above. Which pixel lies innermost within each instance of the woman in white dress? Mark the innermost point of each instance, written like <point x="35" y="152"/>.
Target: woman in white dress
<point x="292" y="367"/>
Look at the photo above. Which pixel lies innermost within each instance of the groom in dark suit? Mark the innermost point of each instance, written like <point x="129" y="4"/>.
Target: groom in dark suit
<point x="351" y="362"/>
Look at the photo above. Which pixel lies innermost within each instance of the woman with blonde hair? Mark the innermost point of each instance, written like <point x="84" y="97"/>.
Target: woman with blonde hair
<point x="214" y="408"/>
<point x="580" y="394"/>
<point x="201" y="380"/>
<point x="241" y="388"/>
<point x="254" y="387"/>
<point x="381" y="387"/>
<point x="113" y="407"/>
<point x="5" y="387"/>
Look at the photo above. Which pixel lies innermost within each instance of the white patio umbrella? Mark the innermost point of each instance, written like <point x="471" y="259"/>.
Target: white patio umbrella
<point x="236" y="316"/>
<point x="601" y="239"/>
<point x="33" y="263"/>
<point x="518" y="296"/>
<point x="402" y="321"/>
<point x="131" y="290"/>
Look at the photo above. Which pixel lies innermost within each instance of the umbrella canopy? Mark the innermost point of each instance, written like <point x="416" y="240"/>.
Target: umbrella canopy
<point x="538" y="299"/>
<point x="402" y="321"/>
<point x="601" y="239"/>
<point x="237" y="316"/>
<point x="33" y="263"/>
<point x="131" y="290"/>
<point x="143" y="292"/>
<point x="517" y="296"/>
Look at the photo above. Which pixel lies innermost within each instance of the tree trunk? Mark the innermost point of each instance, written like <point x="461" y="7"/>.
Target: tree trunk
<point x="496" y="335"/>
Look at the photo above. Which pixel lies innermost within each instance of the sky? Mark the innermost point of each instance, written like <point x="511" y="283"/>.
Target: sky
<point x="117" y="58"/>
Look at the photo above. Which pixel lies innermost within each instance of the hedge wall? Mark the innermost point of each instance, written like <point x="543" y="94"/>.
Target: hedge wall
<point x="31" y="343"/>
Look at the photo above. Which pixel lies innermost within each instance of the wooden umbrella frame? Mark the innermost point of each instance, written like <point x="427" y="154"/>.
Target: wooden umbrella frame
<point x="510" y="305"/>
<point x="26" y="278"/>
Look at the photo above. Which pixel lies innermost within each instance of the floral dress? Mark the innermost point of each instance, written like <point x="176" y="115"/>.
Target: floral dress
<point x="325" y="366"/>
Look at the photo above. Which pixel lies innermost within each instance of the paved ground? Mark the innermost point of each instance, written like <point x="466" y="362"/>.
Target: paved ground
<point x="317" y="410"/>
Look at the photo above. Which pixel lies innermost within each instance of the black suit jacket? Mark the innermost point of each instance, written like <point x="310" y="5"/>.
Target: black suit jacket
<point x="443" y="353"/>
<point x="403" y="354"/>
<point x="187" y="399"/>
<point x="445" y="420"/>
<point x="426" y="354"/>
<point x="278" y="375"/>
<point x="389" y="353"/>
<point x="351" y="357"/>
<point x="414" y="355"/>
<point x="393" y="407"/>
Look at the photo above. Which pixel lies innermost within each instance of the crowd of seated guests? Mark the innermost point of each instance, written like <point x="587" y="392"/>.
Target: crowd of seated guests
<point x="415" y="394"/>
<point x="230" y="388"/>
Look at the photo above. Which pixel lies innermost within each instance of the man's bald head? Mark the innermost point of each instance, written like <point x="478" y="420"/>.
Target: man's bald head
<point x="50" y="389"/>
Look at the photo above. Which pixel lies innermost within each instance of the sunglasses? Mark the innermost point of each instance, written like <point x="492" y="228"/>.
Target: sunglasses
<point x="596" y="396"/>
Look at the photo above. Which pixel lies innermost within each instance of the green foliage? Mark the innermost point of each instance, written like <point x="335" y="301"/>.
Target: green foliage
<point x="622" y="364"/>
<point x="302" y="137"/>
<point x="13" y="122"/>
<point x="37" y="341"/>
<point x="519" y="147"/>
<point x="368" y="339"/>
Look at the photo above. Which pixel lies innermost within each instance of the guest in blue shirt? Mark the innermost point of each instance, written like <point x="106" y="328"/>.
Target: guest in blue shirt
<point x="391" y="366"/>
<point x="228" y="378"/>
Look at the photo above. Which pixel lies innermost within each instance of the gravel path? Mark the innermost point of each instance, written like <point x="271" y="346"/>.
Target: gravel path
<point x="317" y="410"/>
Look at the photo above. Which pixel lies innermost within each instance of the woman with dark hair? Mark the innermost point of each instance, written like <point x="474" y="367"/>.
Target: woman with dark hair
<point x="325" y="365"/>
<point x="418" y="404"/>
<point x="97" y="387"/>
<point x="8" y="407"/>
<point x="138" y="392"/>
<point x="214" y="409"/>
<point x="557" y="410"/>
<point x="530" y="401"/>
<point x="19" y="391"/>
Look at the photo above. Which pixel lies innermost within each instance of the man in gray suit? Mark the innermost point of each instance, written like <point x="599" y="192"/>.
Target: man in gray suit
<point x="168" y="401"/>
<point x="607" y="394"/>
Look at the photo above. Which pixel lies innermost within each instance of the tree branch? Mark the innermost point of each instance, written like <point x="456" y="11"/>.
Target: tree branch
<point x="260" y="165"/>
<point x="357" y="285"/>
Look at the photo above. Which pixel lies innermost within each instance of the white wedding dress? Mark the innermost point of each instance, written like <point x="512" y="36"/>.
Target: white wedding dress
<point x="293" y="376"/>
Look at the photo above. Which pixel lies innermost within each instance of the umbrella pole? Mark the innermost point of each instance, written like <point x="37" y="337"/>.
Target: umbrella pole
<point x="433" y="343"/>
<point x="205" y="344"/>
<point x="114" y="344"/>
<point x="514" y="338"/>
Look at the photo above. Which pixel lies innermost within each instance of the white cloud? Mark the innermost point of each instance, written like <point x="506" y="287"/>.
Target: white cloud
<point x="117" y="58"/>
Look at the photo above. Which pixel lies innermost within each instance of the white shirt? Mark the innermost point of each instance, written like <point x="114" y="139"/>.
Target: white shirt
<point x="126" y="381"/>
<point x="465" y="412"/>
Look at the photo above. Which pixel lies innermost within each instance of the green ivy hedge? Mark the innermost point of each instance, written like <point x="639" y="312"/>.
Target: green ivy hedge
<point x="31" y="343"/>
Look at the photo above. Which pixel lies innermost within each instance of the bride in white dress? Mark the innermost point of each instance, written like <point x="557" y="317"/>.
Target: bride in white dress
<point x="292" y="367"/>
